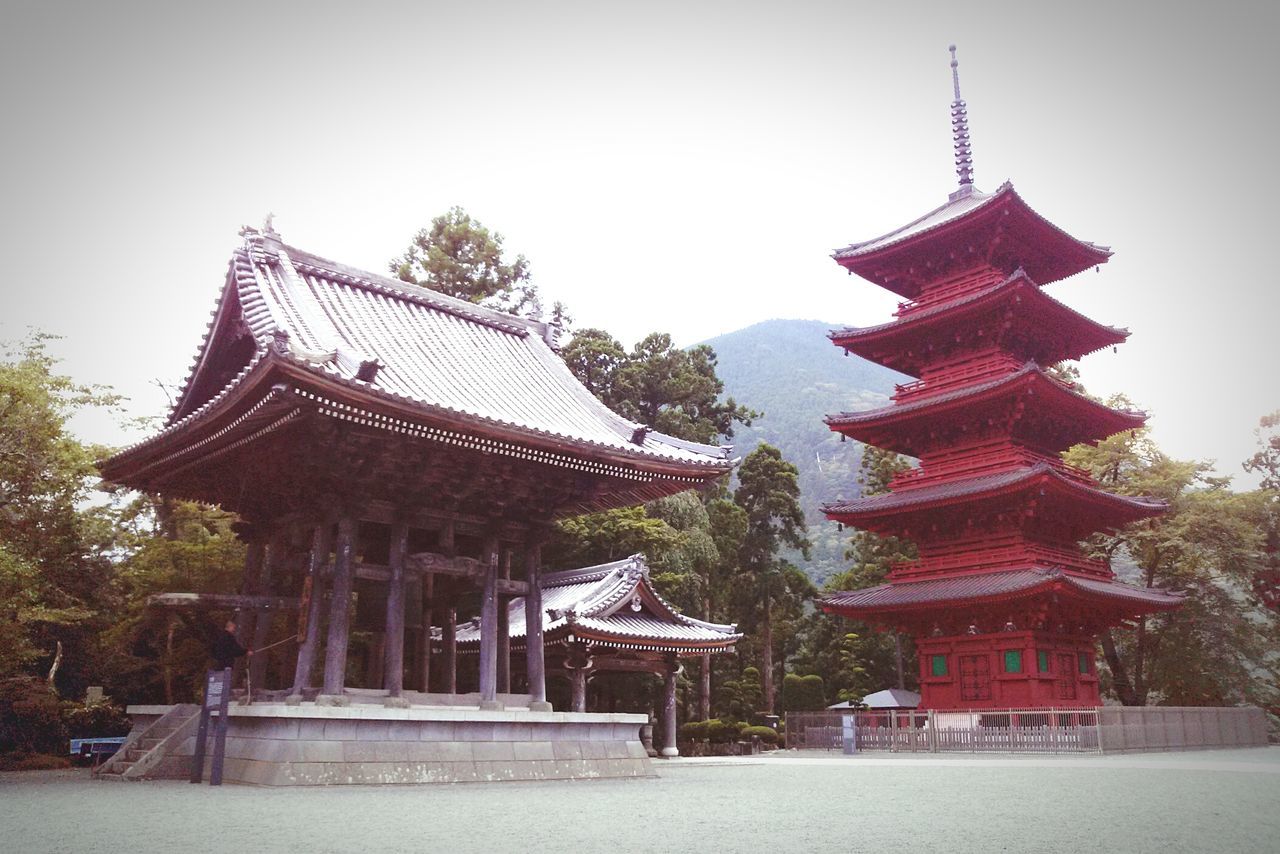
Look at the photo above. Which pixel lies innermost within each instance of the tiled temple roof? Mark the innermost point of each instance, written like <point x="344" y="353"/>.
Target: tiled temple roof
<point x="381" y="340"/>
<point x="598" y="604"/>
<point x="992" y="586"/>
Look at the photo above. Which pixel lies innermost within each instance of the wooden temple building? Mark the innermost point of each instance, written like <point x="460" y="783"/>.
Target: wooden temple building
<point x="610" y="618"/>
<point x="1004" y="606"/>
<point x="396" y="455"/>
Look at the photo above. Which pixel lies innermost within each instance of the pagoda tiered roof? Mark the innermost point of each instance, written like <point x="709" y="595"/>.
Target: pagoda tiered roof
<point x="996" y="588"/>
<point x="296" y="335"/>
<point x="1059" y="417"/>
<point x="613" y="605"/>
<point x="1055" y="493"/>
<point x="1033" y="325"/>
<point x="997" y="228"/>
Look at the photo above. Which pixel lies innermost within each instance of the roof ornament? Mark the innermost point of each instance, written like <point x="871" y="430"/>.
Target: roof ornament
<point x="268" y="223"/>
<point x="960" y="134"/>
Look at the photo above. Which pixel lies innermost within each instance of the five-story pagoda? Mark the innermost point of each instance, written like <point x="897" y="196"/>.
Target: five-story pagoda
<point x="1004" y="606"/>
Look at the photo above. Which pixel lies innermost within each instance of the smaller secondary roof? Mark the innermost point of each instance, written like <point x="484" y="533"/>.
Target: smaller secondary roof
<point x="612" y="605"/>
<point x="969" y="223"/>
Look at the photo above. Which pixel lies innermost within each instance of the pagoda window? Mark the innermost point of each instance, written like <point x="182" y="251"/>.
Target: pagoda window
<point x="1042" y="660"/>
<point x="938" y="665"/>
<point x="1013" y="661"/>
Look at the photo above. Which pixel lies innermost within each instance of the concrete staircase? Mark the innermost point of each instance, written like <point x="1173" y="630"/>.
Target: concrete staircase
<point x="143" y="754"/>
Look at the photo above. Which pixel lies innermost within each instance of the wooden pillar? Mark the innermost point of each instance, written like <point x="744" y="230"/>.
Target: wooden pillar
<point x="578" y="662"/>
<point x="669" y="707"/>
<point x="578" y="681"/>
<point x="489" y="628"/>
<point x="424" y="638"/>
<point x="253" y="560"/>
<point x="313" y="597"/>
<point x="335" y="653"/>
<point x="535" y="663"/>
<point x="450" y="643"/>
<point x="273" y="566"/>
<point x="504" y="631"/>
<point x="393" y="678"/>
<point x="704" y="699"/>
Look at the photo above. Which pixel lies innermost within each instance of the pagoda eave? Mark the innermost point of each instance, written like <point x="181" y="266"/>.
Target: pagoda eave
<point x="905" y="427"/>
<point x="999" y="228"/>
<point x="988" y="589"/>
<point x="1055" y="495"/>
<point x="1017" y="303"/>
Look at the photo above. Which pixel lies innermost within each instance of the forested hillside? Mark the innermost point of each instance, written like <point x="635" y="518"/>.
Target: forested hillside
<point x="790" y="371"/>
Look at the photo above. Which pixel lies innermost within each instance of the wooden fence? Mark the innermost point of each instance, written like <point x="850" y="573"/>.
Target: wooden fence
<point x="1071" y="730"/>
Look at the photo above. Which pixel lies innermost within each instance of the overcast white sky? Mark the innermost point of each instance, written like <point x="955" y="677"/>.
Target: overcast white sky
<point x="685" y="167"/>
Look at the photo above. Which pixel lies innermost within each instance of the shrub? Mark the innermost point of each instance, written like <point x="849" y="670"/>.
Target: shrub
<point x="33" y="762"/>
<point x="803" y="693"/>
<point x="723" y="732"/>
<point x="768" y="735"/>
<point x="30" y="717"/>
<point x="694" y="730"/>
<point x="95" y="720"/>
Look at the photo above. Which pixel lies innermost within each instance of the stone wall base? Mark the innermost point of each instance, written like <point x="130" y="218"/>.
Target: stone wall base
<point x="308" y="745"/>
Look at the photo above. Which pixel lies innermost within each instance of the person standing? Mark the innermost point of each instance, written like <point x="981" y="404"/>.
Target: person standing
<point x="225" y="648"/>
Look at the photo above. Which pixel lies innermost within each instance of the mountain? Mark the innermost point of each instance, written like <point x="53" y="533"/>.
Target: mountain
<point x="790" y="371"/>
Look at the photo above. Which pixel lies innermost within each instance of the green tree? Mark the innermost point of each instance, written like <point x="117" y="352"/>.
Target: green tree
<point x="161" y="656"/>
<point x="459" y="256"/>
<point x="594" y="356"/>
<point x="1216" y="648"/>
<point x="854" y="657"/>
<point x="1266" y="462"/>
<point x="769" y="493"/>
<point x="672" y="390"/>
<point x="55" y="545"/>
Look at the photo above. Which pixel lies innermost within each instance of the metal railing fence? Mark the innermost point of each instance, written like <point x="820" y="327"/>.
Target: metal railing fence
<point x="1066" y="730"/>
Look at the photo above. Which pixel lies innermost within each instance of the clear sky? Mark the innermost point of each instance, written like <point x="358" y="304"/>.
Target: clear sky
<point x="685" y="167"/>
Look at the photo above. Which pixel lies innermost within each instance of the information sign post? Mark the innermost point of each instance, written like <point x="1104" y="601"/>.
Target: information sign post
<point x="217" y="694"/>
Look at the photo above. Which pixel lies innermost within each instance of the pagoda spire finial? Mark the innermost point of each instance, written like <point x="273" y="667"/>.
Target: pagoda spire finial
<point x="960" y="132"/>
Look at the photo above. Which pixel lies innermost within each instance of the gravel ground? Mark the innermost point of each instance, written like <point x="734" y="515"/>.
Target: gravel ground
<point x="1219" y="801"/>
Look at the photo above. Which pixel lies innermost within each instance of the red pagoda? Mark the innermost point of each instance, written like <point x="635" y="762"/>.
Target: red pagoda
<point x="1004" y="606"/>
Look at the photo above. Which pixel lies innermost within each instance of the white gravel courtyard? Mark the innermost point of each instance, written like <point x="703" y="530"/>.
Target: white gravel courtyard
<point x="1218" y="801"/>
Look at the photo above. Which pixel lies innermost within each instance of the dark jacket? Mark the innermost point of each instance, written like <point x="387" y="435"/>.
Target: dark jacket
<point x="226" y="649"/>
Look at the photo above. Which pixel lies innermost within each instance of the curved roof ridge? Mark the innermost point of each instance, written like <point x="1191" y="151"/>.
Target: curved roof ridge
<point x="962" y="205"/>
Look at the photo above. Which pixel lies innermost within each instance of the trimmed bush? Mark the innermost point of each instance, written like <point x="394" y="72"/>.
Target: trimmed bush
<point x="803" y="693"/>
<point x="722" y="732"/>
<point x="694" y="730"/>
<point x="767" y="735"/>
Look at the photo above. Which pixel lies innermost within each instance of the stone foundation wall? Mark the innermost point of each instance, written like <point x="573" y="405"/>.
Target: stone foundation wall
<point x="279" y="745"/>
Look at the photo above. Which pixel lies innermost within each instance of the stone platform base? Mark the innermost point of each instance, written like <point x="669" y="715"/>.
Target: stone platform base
<point x="274" y="744"/>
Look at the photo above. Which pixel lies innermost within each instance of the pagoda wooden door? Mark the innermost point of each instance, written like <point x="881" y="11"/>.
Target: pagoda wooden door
<point x="975" y="677"/>
<point x="1065" y="681"/>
